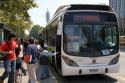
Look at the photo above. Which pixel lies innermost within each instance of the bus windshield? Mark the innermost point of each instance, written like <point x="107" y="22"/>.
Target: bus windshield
<point x="90" y="40"/>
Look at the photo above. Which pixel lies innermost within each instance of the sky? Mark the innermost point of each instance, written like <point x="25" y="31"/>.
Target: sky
<point x="38" y="15"/>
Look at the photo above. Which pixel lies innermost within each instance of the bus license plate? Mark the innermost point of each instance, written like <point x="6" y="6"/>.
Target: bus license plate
<point x="93" y="70"/>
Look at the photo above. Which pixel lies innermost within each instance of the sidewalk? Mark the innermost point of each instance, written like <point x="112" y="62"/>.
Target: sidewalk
<point x="52" y="78"/>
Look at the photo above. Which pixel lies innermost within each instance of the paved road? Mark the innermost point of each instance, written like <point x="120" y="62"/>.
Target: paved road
<point x="121" y="75"/>
<point x="106" y="78"/>
<point x="122" y="61"/>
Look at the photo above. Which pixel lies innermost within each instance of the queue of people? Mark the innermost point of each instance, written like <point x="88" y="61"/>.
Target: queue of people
<point x="15" y="49"/>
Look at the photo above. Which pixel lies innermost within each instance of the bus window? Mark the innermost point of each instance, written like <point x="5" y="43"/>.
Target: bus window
<point x="82" y="34"/>
<point x="80" y="39"/>
<point x="74" y="38"/>
<point x="105" y="38"/>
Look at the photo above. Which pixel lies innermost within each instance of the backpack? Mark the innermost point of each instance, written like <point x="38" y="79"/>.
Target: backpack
<point x="43" y="60"/>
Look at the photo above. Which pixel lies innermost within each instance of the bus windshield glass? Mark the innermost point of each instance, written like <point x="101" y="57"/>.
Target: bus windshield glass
<point x="90" y="38"/>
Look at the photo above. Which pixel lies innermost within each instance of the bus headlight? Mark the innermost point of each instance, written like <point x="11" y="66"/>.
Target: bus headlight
<point x="114" y="60"/>
<point x="69" y="61"/>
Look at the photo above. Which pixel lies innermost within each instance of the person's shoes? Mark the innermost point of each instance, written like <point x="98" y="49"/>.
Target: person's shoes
<point x="1" y="81"/>
<point x="24" y="74"/>
<point x="29" y="81"/>
<point x="17" y="82"/>
<point x="48" y="76"/>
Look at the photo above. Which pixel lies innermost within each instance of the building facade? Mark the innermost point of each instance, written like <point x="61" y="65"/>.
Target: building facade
<point x="119" y="8"/>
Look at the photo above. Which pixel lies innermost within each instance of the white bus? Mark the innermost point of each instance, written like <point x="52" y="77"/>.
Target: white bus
<point x="86" y="38"/>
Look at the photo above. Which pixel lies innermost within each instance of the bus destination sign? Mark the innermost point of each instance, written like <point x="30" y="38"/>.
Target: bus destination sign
<point x="86" y="18"/>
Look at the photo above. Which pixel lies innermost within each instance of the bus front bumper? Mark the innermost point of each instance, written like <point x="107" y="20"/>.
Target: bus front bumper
<point x="84" y="70"/>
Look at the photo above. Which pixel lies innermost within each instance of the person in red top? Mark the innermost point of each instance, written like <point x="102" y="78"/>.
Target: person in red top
<point x="8" y="47"/>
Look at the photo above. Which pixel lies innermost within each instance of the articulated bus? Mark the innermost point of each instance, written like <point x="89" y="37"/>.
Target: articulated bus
<point x="86" y="39"/>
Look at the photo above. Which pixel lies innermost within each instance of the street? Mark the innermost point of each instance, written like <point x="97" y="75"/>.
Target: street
<point x="69" y="41"/>
<point x="104" y="78"/>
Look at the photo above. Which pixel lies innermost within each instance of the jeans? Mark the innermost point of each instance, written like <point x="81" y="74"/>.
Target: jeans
<point x="10" y="67"/>
<point x="44" y="71"/>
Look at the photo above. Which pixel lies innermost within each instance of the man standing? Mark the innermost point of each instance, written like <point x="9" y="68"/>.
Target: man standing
<point x="9" y="61"/>
<point x="32" y="50"/>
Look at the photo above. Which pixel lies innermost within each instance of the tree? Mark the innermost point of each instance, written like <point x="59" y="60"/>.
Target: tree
<point x="34" y="31"/>
<point x="15" y="13"/>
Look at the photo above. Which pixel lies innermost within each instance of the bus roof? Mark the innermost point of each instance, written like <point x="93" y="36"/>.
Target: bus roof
<point x="101" y="7"/>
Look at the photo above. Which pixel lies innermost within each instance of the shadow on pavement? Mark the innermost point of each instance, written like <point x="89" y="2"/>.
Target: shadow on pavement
<point x="88" y="79"/>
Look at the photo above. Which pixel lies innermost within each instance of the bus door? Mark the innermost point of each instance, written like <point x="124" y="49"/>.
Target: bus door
<point x="58" y="50"/>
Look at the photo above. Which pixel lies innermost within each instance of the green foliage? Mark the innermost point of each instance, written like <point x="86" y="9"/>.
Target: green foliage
<point x="34" y="31"/>
<point x="15" y="13"/>
<point x="51" y="49"/>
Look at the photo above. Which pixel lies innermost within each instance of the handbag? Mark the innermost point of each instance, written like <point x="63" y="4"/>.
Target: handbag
<point x="27" y="58"/>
